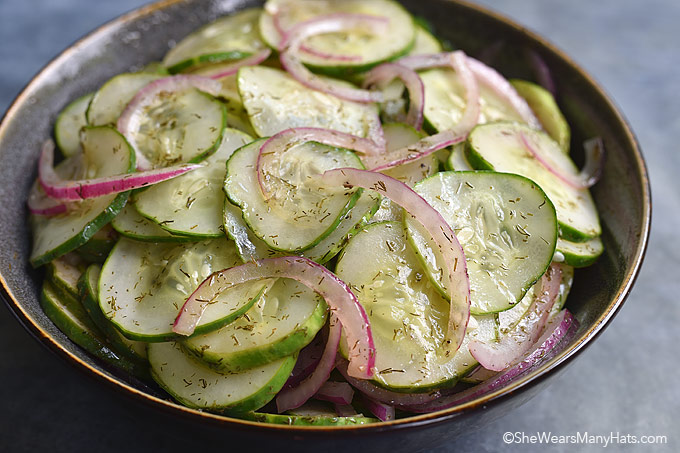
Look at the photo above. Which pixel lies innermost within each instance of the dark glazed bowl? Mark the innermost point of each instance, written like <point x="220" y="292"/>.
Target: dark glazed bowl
<point x="623" y="199"/>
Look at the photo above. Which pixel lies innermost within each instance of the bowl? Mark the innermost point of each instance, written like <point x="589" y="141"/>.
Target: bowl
<point x="129" y="42"/>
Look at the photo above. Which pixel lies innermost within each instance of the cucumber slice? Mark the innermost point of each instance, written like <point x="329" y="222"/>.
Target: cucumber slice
<point x="498" y="147"/>
<point x="252" y="248"/>
<point x="308" y="420"/>
<point x="69" y="123"/>
<point x="275" y="102"/>
<point x="57" y="235"/>
<point x="227" y="38"/>
<point x="89" y="295"/>
<point x="70" y="317"/>
<point x="191" y="204"/>
<point x="545" y="108"/>
<point x="506" y="226"/>
<point x="64" y="273"/>
<point x="144" y="285"/>
<point x="370" y="49"/>
<point x="457" y="160"/>
<point x="579" y="254"/>
<point x="445" y="101"/>
<point x="100" y="244"/>
<point x="110" y="100"/>
<point x="408" y="316"/>
<point x="194" y="384"/>
<point x="426" y="42"/>
<point x="398" y="135"/>
<point x="283" y="321"/>
<point x="298" y="215"/>
<point x="184" y="126"/>
<point x="131" y="224"/>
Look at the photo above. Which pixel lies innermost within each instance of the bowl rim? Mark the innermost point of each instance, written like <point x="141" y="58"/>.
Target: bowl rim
<point x="415" y="421"/>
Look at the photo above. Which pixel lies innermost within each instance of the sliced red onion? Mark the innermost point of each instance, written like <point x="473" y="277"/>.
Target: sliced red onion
<point x="383" y="411"/>
<point x="308" y="360"/>
<point x="542" y="71"/>
<point x="444" y="238"/>
<point x="294" y="397"/>
<point x="511" y="347"/>
<point x="290" y="137"/>
<point x="129" y="120"/>
<point x="332" y="23"/>
<point x="40" y="204"/>
<point x="342" y="302"/>
<point x="496" y="82"/>
<point x="345" y="410"/>
<point x="66" y="190"/>
<point x="592" y="170"/>
<point x="276" y="19"/>
<point x="386" y="72"/>
<point x="253" y="60"/>
<point x="335" y="392"/>
<point x="383" y="395"/>
<point x="557" y="331"/>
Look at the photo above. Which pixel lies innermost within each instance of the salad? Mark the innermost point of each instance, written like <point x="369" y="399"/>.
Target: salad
<point x="314" y="214"/>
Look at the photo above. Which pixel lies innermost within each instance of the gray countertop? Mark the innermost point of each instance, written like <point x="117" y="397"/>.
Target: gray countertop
<point x="625" y="383"/>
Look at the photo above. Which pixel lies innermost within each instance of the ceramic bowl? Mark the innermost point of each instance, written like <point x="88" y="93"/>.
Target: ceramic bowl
<point x="129" y="42"/>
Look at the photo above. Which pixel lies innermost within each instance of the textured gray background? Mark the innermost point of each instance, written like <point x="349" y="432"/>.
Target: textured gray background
<point x="626" y="382"/>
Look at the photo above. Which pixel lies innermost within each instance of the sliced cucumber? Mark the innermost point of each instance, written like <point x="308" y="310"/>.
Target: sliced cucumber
<point x="69" y="123"/>
<point x="144" y="285"/>
<point x="398" y="135"/>
<point x="506" y="226"/>
<point x="299" y="214"/>
<point x="498" y="147"/>
<point x="370" y="49"/>
<point x="57" y="235"/>
<point x="89" y="295"/>
<point x="457" y="160"/>
<point x="194" y="384"/>
<point x="283" y="321"/>
<point x="64" y="273"/>
<point x="110" y="100"/>
<point x="133" y="225"/>
<point x="426" y="42"/>
<point x="252" y="248"/>
<point x="191" y="204"/>
<point x="579" y="254"/>
<point x="227" y="38"/>
<point x="184" y="126"/>
<point x="97" y="248"/>
<point x="70" y="317"/>
<point x="545" y="108"/>
<point x="445" y="101"/>
<point x="275" y="102"/>
<point x="309" y="420"/>
<point x="408" y="316"/>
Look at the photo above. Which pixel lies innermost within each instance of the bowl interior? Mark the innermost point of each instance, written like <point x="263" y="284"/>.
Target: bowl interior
<point x="130" y="42"/>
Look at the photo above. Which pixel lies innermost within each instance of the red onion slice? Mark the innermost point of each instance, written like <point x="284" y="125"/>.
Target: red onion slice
<point x="592" y="170"/>
<point x="556" y="332"/>
<point x="383" y="411"/>
<point x="129" y="120"/>
<point x="512" y="346"/>
<point x="442" y="234"/>
<point x="65" y="190"/>
<point x="386" y="72"/>
<point x="233" y="68"/>
<point x="308" y="359"/>
<point x="418" y="150"/>
<point x="291" y="137"/>
<point x="542" y="71"/>
<point x="495" y="81"/>
<point x="335" y="392"/>
<point x="276" y="19"/>
<point x="342" y="302"/>
<point x="295" y="397"/>
<point x="40" y="204"/>
<point x="383" y="395"/>
<point x="332" y="23"/>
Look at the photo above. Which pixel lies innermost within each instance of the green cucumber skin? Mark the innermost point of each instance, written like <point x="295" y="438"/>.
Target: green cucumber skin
<point x="580" y="261"/>
<point x="91" y="304"/>
<point x="253" y="402"/>
<point x="191" y="64"/>
<point x="65" y="149"/>
<point x="60" y="284"/>
<point x="167" y="237"/>
<point x="479" y="163"/>
<point x="300" y="420"/>
<point x="349" y="205"/>
<point x="87" y="335"/>
<point x="218" y="141"/>
<point x="251" y="358"/>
